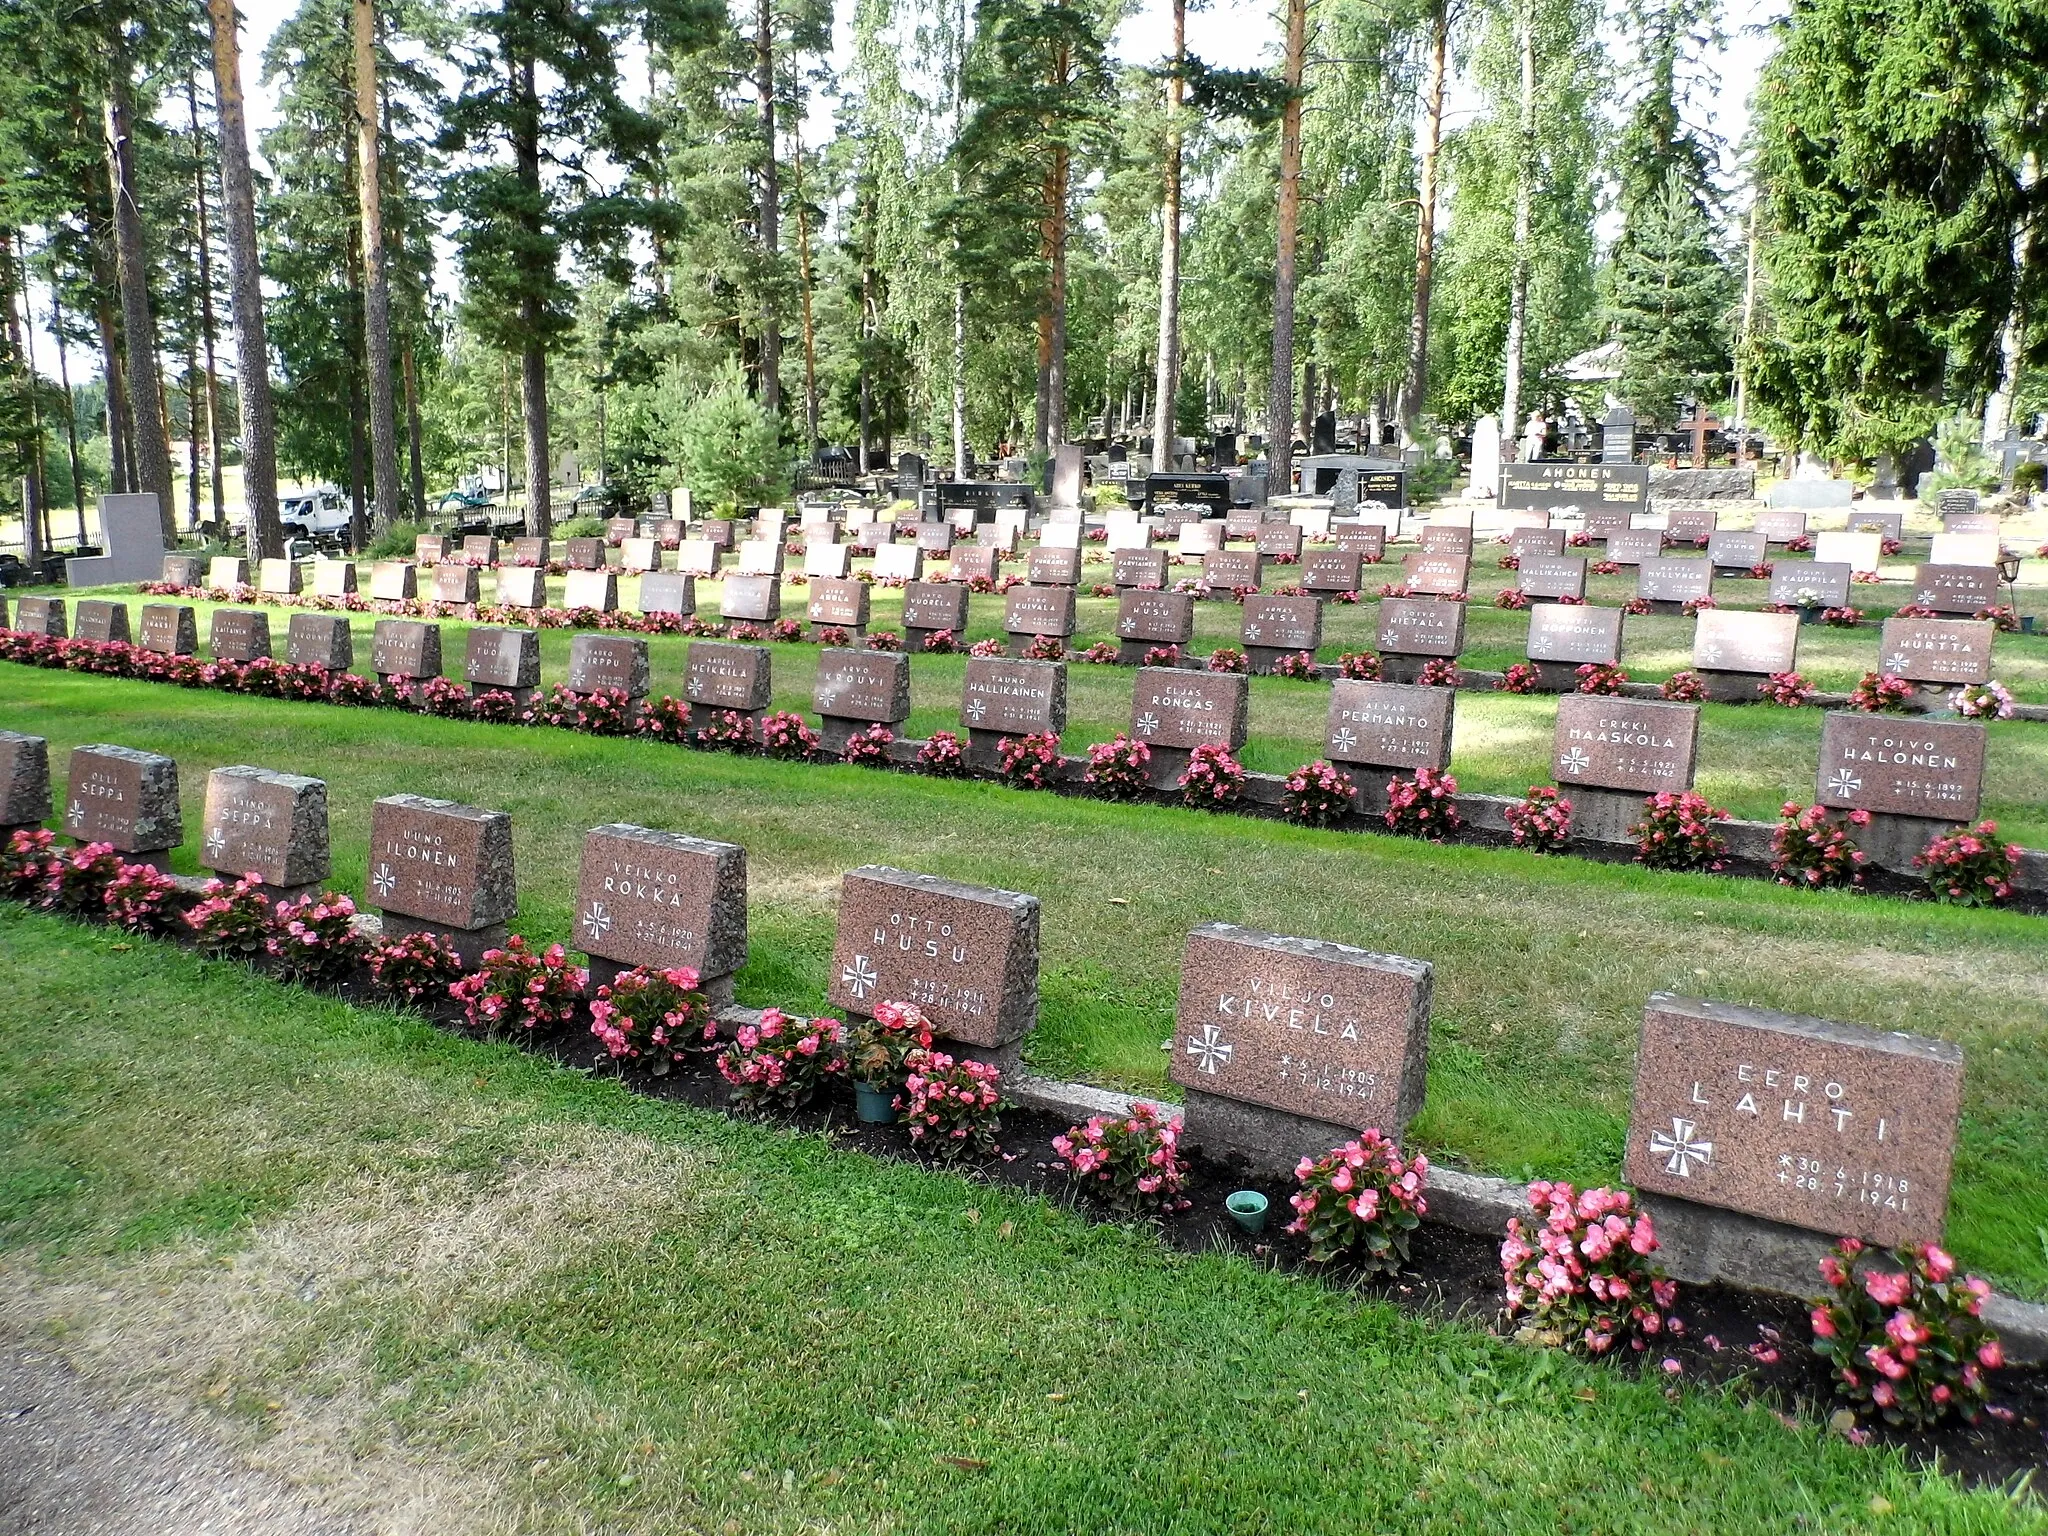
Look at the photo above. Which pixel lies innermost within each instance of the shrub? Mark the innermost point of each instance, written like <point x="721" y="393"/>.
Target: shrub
<point x="1522" y="677"/>
<point x="1909" y="1342"/>
<point x="879" y="1048"/>
<point x="1100" y="654"/>
<point x="1438" y="672"/>
<point x="1299" y="665"/>
<point x="1131" y="1164"/>
<point x="517" y="989"/>
<point x="888" y="640"/>
<point x="1982" y="701"/>
<point x="231" y="922"/>
<point x="1677" y="832"/>
<point x="1163" y="656"/>
<point x="989" y="647"/>
<point x="1542" y="823"/>
<point x="1789" y="689"/>
<point x="1686" y="687"/>
<point x="1360" y="1201"/>
<point x="1227" y="658"/>
<point x="1425" y="806"/>
<point x="442" y="696"/>
<point x="943" y="755"/>
<point x="782" y="1062"/>
<point x="415" y="968"/>
<point x="870" y="747"/>
<point x="1808" y="849"/>
<point x="1970" y="867"/>
<point x="1595" y="677"/>
<point x="1030" y="762"/>
<point x="952" y="1107"/>
<point x="664" y="719"/>
<point x="941" y="642"/>
<point x="1842" y="618"/>
<point x="786" y="631"/>
<point x="77" y="879"/>
<point x="348" y="688"/>
<point x="834" y="637"/>
<point x="495" y="705"/>
<point x="599" y="712"/>
<point x="1213" y="777"/>
<point x="1318" y="795"/>
<point x="1513" y="598"/>
<point x="1882" y="693"/>
<point x="729" y="729"/>
<point x="1359" y="666"/>
<point x="652" y="1018"/>
<point x="1582" y="1273"/>
<point x="1119" y="769"/>
<point x="1604" y="568"/>
<point x="784" y="735"/>
<point x="142" y="899"/>
<point x="1044" y="648"/>
<point x="741" y="630"/>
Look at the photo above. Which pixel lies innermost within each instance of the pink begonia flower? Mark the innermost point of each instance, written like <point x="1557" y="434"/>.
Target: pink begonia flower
<point x="1991" y="1354"/>
<point x="1887" y="1288"/>
<point x="1823" y="1324"/>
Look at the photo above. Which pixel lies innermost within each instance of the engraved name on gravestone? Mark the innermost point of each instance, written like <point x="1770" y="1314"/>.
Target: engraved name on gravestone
<point x="1886" y="525"/>
<point x="1780" y="525"/>
<point x="1420" y="626"/>
<point x="1552" y="576"/>
<point x="1330" y="570"/>
<point x="394" y="581"/>
<point x="1053" y="567"/>
<point x="755" y="599"/>
<point x="120" y="796"/>
<point x="662" y="899"/>
<point x="719" y="675"/>
<point x="1734" y="640"/>
<point x="842" y="603"/>
<point x="441" y="862"/>
<point x="1156" y="618"/>
<point x="1226" y="570"/>
<point x="935" y="538"/>
<point x="1730" y="549"/>
<point x="1317" y="1030"/>
<point x="975" y="560"/>
<point x="1604" y="523"/>
<point x="1171" y="708"/>
<point x="102" y="619"/>
<point x="1443" y="575"/>
<point x="270" y="824"/>
<point x="530" y="551"/>
<point x="966" y="955"/>
<point x="321" y="640"/>
<point x="24" y="780"/>
<point x="609" y="661"/>
<point x="1930" y="768"/>
<point x="1691" y="524"/>
<point x="1952" y="651"/>
<point x="237" y="634"/>
<point x="1010" y="697"/>
<point x="480" y="548"/>
<point x="170" y="629"/>
<point x="1811" y="583"/>
<point x="583" y="554"/>
<point x="1139" y="568"/>
<point x="1283" y="623"/>
<point x="1389" y="725"/>
<point x="405" y="648"/>
<point x="1956" y="588"/>
<point x="1447" y="539"/>
<point x="935" y="605"/>
<point x="1523" y="543"/>
<point x="1606" y="742"/>
<point x="862" y="685"/>
<point x="1664" y="579"/>
<point x="1575" y="634"/>
<point x="501" y="658"/>
<point x="1039" y="611"/>
<point x="1817" y="1124"/>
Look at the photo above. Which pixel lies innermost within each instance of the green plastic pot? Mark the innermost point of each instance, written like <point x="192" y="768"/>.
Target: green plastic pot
<point x="1247" y="1208"/>
<point x="874" y="1106"/>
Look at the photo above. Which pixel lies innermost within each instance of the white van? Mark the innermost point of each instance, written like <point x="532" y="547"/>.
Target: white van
<point x="320" y="512"/>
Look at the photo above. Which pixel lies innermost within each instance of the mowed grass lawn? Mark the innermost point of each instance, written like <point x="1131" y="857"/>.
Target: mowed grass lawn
<point x="1542" y="966"/>
<point x="451" y="1285"/>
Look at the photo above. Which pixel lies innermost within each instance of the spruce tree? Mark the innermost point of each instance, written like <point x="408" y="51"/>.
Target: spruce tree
<point x="1672" y="294"/>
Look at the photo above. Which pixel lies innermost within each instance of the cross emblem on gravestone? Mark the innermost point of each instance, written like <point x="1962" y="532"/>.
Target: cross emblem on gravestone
<point x="216" y="840"/>
<point x="1575" y="761"/>
<point x="1843" y="782"/>
<point x="385" y="880"/>
<point x="1211" y="1050"/>
<point x="1252" y="631"/>
<point x="1679" y="1149"/>
<point x="1147" y="723"/>
<point x="75" y="811"/>
<point x="1896" y="660"/>
<point x="598" y="919"/>
<point x="1710" y="653"/>
<point x="976" y="709"/>
<point x="860" y="976"/>
<point x="1923" y="597"/>
<point x="1129" y="626"/>
<point x="1344" y="740"/>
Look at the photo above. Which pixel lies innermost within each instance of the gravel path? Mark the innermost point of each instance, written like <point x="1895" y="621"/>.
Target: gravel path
<point x="74" y="1463"/>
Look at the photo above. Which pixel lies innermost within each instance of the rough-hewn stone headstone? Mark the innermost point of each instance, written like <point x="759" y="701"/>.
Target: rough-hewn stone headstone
<point x="1039" y="611"/>
<point x="1736" y="640"/>
<point x="120" y="796"/>
<point x="935" y="538"/>
<point x="273" y="825"/>
<point x="1632" y="546"/>
<point x="1552" y="576"/>
<point x="750" y="599"/>
<point x="583" y="554"/>
<point x="428" y="548"/>
<point x="975" y="560"/>
<point x="1780" y="525"/>
<point x="840" y="603"/>
<point x="501" y="659"/>
<point x="1811" y="583"/>
<point x="1227" y="570"/>
<point x="608" y="661"/>
<point x="1438" y="575"/>
<point x="1139" y="568"/>
<point x="1861" y="552"/>
<point x="1979" y="549"/>
<point x="663" y="900"/>
<point x="394" y="581"/>
<point x="719" y="675"/>
<point x="320" y="640"/>
<point x="899" y="562"/>
<point x="1956" y="588"/>
<point x="280" y="577"/>
<point x="1421" y="626"/>
<point x="183" y="570"/>
<point x="935" y="605"/>
<point x="101" y="618"/>
<point x="227" y="572"/>
<point x="1389" y="725"/>
<point x="1053" y="567"/>
<point x="1692" y="524"/>
<point x="760" y="557"/>
<point x="40" y="616"/>
<point x="1606" y="742"/>
<point x="334" y="578"/>
<point x="826" y="561"/>
<point x="522" y="586"/>
<point x="668" y="592"/>
<point x="238" y="634"/>
<point x="442" y="863"/>
<point x="1155" y="618"/>
<point x="480" y="548"/>
<point x="1005" y="696"/>
<point x="1172" y="708"/>
<point x="1526" y="542"/>
<point x="1730" y="549"/>
<point x="405" y="648"/>
<point x="1277" y="539"/>
<point x="1927" y="768"/>
<point x="1282" y="623"/>
<point x="1949" y="651"/>
<point x="1368" y="543"/>
<point x="1447" y="539"/>
<point x="24" y="781"/>
<point x="1667" y="579"/>
<point x="530" y="551"/>
<point x="868" y="686"/>
<point x="457" y="583"/>
<point x="598" y="589"/>
<point x="1330" y="570"/>
<point x="169" y="629"/>
<point x="1575" y="634"/>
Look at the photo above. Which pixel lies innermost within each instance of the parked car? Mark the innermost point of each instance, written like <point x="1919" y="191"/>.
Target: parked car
<point x="319" y="514"/>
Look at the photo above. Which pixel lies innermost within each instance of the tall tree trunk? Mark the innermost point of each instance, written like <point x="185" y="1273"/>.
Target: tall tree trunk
<point x="803" y="273"/>
<point x="245" y="287"/>
<point x="867" y="322"/>
<point x="2011" y="336"/>
<point x="376" y="284"/>
<point x="358" y="406"/>
<point x="70" y="410"/>
<point x="417" y="463"/>
<point x="771" y="210"/>
<point x="34" y="517"/>
<point x="131" y="256"/>
<point x="959" y="358"/>
<point x="192" y="432"/>
<point x="1518" y="280"/>
<point x="1416" y="384"/>
<point x="533" y="354"/>
<point x="1748" y="322"/>
<point x="1167" y="381"/>
<point x="117" y="384"/>
<point x="1056" y="373"/>
<point x="206" y="316"/>
<point x="1287" y="228"/>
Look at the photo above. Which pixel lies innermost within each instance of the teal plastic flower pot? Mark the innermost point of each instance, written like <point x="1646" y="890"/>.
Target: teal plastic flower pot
<point x="1248" y="1209"/>
<point x="875" y="1106"/>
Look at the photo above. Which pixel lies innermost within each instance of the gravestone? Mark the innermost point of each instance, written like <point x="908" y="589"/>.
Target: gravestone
<point x="1393" y="727"/>
<point x="1945" y="652"/>
<point x="442" y="868"/>
<point x="641" y="555"/>
<point x="1811" y="583"/>
<point x="428" y="548"/>
<point x="1330" y="570"/>
<point x="1735" y="553"/>
<point x="1273" y="627"/>
<point x="699" y="558"/>
<point x="530" y="552"/>
<point x="975" y="562"/>
<point x="238" y="634"/>
<point x="1608" y="753"/>
<point x="1314" y="522"/>
<point x="1413" y="630"/>
<point x="857" y="689"/>
<point x="1197" y="539"/>
<point x="1436" y="575"/>
<point x="480" y="548"/>
<point x="1545" y="542"/>
<point x="1512" y="518"/>
<point x="935" y="538"/>
<point x="1174" y="711"/>
<point x="127" y="799"/>
<point x="1231" y="570"/>
<point x="394" y="581"/>
<point x="1029" y="612"/>
<point x="1735" y="651"/>
<point x="1811" y="494"/>
<point x="522" y="586"/>
<point x="272" y="825"/>
<point x="610" y="661"/>
<point x="1148" y="619"/>
<point x="583" y="554"/>
<point x="1618" y="436"/>
<point x="1632" y="546"/>
<point x="40" y="616"/>
<point x="1861" y="552"/>
<point x="864" y="538"/>
<point x="717" y="530"/>
<point x="459" y="584"/>
<point x="132" y="534"/>
<point x="617" y="530"/>
<point x="182" y="571"/>
<point x="1053" y="567"/>
<point x="226" y="573"/>
<point x="839" y="604"/>
<point x="1786" y="1121"/>
<point x="719" y="678"/>
<point x="1958" y="501"/>
<point x="405" y="648"/>
<point x="1447" y="539"/>
<point x="966" y="955"/>
<point x="750" y="599"/>
<point x="1561" y="487"/>
<point x="1668" y="583"/>
<point x="322" y="640"/>
<point x="1890" y="526"/>
<point x="1971" y="524"/>
<point x="1287" y="1047"/>
<point x="1134" y="568"/>
<point x="664" y="901"/>
<point x="24" y="782"/>
<point x="597" y="589"/>
<point x="1980" y="549"/>
<point x="1244" y="522"/>
<point x="502" y="661"/>
<point x="1564" y="637"/>
<point x="1780" y="526"/>
<point x="1916" y="778"/>
<point x="279" y="578"/>
<point x="1956" y="588"/>
<point x="1550" y="577"/>
<point x="1125" y="534"/>
<point x="932" y="607"/>
<point x="1368" y="543"/>
<point x="760" y="557"/>
<point x="334" y="578"/>
<point x="101" y="619"/>
<point x="827" y="562"/>
<point x="1003" y="696"/>
<point x="169" y="629"/>
<point x="1693" y="525"/>
<point x="1283" y="539"/>
<point x="1211" y="492"/>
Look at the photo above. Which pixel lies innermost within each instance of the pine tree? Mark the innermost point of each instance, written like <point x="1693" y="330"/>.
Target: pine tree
<point x="1672" y="294"/>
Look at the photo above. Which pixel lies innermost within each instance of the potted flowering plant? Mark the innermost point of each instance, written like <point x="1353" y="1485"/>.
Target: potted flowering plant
<point x="1214" y="777"/>
<point x="1970" y="867"/>
<point x="314" y="941"/>
<point x="953" y="1106"/>
<point x="1811" y="849"/>
<point x="1677" y="832"/>
<point x="1542" y="822"/>
<point x="1425" y="806"/>
<point x="231" y="922"/>
<point x="1318" y="794"/>
<point x="878" y="1055"/>
<point x="1119" y="769"/>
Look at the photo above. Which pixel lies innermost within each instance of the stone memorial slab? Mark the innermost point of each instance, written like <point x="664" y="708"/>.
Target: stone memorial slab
<point x="405" y="648"/>
<point x="1005" y="696"/>
<point x="1780" y="525"/>
<point x="1886" y="525"/>
<point x="935" y="538"/>
<point x="1155" y="618"/>
<point x="1970" y="524"/>
<point x="1278" y="539"/>
<point x="1282" y="623"/>
<point x="442" y="863"/>
<point x="277" y="577"/>
<point x="718" y="675"/>
<point x="864" y="686"/>
<point x="1053" y="567"/>
<point x="1244" y="522"/>
<point x="1811" y="493"/>
<point x="840" y="603"/>
<point x="480" y="548"/>
<point x="1861" y="552"/>
<point x="522" y="586"/>
<point x="1552" y="576"/>
<point x="530" y="551"/>
<point x="102" y="619"/>
<point x="1545" y="542"/>
<point x="428" y="549"/>
<point x="598" y="589"/>
<point x="1604" y="523"/>
<point x="1368" y="543"/>
<point x="182" y="571"/>
<point x="999" y="536"/>
<point x="1437" y="575"/>
<point x="1331" y="570"/>
<point x="1197" y="538"/>
<point x="1956" y="588"/>
<point x="1816" y="1124"/>
<point x="1440" y="538"/>
<point x="1562" y="487"/>
<point x="699" y="558"/>
<point x="583" y="554"/>
<point x="608" y="661"/>
<point x="663" y="900"/>
<point x="394" y="581"/>
<point x="864" y="538"/>
<point x="1287" y="1045"/>
<point x="1632" y="546"/>
<point x="238" y="634"/>
<point x="169" y="629"/>
<point x="760" y="557"/>
<point x="1948" y="651"/>
<point x="1139" y="568"/>
<point x="619" y="529"/>
<point x="641" y="555"/>
<point x="501" y="659"/>
<point x="1693" y="525"/>
<point x="1892" y="767"/>
<point x="935" y="605"/>
<point x="226" y="573"/>
<point x="975" y="561"/>
<point x="322" y="640"/>
<point x="1183" y="710"/>
<point x="268" y="824"/>
<point x="1732" y="550"/>
<point x="1811" y="583"/>
<point x="1314" y="522"/>
<point x="24" y="781"/>
<point x="1575" y="635"/>
<point x="1389" y="725"/>
<point x="1035" y="611"/>
<point x="1958" y="501"/>
<point x="827" y="562"/>
<point x="459" y="584"/>
<point x="1980" y="549"/>
<point x="1420" y="626"/>
<point x="1675" y="579"/>
<point x="1607" y="742"/>
<point x="40" y="616"/>
<point x="123" y="797"/>
<point x="1210" y="492"/>
<point x="718" y="530"/>
<point x="1736" y="640"/>
<point x="967" y="955"/>
<point x="334" y="578"/>
<point x="1126" y="536"/>
<point x="1228" y="570"/>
